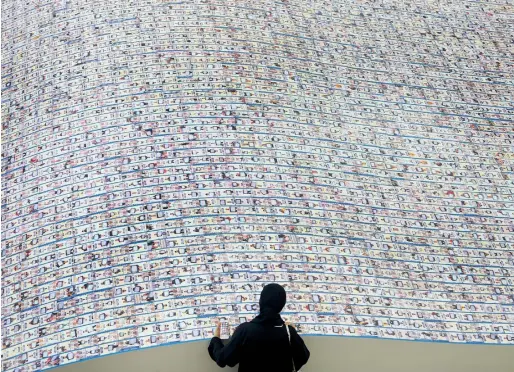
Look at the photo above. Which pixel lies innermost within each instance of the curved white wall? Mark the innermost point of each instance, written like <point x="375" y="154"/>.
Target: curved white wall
<point x="328" y="354"/>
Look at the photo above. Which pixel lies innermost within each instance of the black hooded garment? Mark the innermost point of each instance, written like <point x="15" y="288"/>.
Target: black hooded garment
<point x="262" y="344"/>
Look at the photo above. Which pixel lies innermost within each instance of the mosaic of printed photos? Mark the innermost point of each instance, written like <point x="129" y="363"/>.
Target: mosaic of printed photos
<point x="162" y="161"/>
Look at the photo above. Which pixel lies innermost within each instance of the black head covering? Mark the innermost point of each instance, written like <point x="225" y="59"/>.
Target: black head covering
<point x="272" y="301"/>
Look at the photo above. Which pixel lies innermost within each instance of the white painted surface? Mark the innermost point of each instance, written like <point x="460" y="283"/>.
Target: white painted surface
<point x="328" y="354"/>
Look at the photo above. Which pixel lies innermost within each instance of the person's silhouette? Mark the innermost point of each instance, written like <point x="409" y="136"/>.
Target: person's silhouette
<point x="266" y="343"/>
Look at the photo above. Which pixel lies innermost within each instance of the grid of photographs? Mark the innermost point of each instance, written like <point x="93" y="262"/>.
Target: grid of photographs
<point x="163" y="161"/>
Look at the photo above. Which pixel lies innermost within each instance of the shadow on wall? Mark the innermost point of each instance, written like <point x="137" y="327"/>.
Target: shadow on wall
<point x="328" y="354"/>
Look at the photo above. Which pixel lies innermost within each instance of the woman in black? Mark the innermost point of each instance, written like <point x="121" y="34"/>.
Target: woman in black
<point x="263" y="344"/>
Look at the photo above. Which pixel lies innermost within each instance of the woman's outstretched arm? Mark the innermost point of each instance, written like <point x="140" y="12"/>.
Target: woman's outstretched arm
<point x="300" y="352"/>
<point x="229" y="354"/>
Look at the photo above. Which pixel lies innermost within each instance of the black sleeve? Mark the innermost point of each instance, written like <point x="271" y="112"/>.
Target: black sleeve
<point x="229" y="354"/>
<point x="300" y="352"/>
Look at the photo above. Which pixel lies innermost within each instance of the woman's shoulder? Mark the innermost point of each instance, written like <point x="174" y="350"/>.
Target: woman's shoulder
<point x="242" y="327"/>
